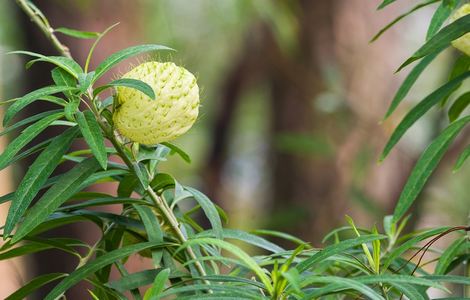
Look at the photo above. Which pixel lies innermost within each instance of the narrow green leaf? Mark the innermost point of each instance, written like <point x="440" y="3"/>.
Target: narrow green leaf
<point x="24" y="250"/>
<point x="419" y="110"/>
<point x="461" y="65"/>
<point x="335" y="249"/>
<point x="84" y="81"/>
<point x="227" y="292"/>
<point x="142" y="174"/>
<point x="398" y="251"/>
<point x="25" y="137"/>
<point x="440" y="16"/>
<point x="441" y="40"/>
<point x="449" y="278"/>
<point x="29" y="120"/>
<point x="409" y="82"/>
<point x="119" y="56"/>
<point x="385" y="3"/>
<point x="244" y="237"/>
<point x="389" y="25"/>
<point x="399" y="279"/>
<point x="410" y="291"/>
<point x="152" y="227"/>
<point x="36" y="148"/>
<point x="134" y="280"/>
<point x="209" y="209"/>
<point x="71" y="108"/>
<point x="449" y="255"/>
<point x="128" y="82"/>
<point x="95" y="265"/>
<point x="67" y="185"/>
<point x="158" y="285"/>
<point x="68" y="64"/>
<point x="462" y="158"/>
<point x="339" y="283"/>
<point x="34" y="284"/>
<point x="77" y="33"/>
<point x="63" y="78"/>
<point x="92" y="133"/>
<point x="37" y="175"/>
<point x="426" y="165"/>
<point x="243" y="256"/>
<point x="102" y="202"/>
<point x="185" y="156"/>
<point x="29" y="98"/>
<point x="459" y="105"/>
<point x="281" y="235"/>
<point x="92" y="49"/>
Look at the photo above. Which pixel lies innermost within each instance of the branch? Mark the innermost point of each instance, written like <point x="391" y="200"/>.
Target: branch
<point x="35" y="15"/>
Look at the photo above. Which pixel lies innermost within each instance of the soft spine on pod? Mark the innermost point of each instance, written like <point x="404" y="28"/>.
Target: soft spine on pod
<point x="171" y="114"/>
<point x="463" y="42"/>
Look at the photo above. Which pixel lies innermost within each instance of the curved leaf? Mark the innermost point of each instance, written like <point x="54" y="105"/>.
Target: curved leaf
<point x="339" y="283"/>
<point x="459" y="105"/>
<point x="441" y="40"/>
<point x="128" y="82"/>
<point x="408" y="83"/>
<point x="462" y="158"/>
<point x="37" y="175"/>
<point x="243" y="256"/>
<point x="209" y="209"/>
<point x="31" y="97"/>
<point x="68" y="64"/>
<point x="385" y="3"/>
<point x="29" y="120"/>
<point x="426" y="165"/>
<point x="440" y="16"/>
<point x="92" y="133"/>
<point x="396" y="20"/>
<point x="34" y="284"/>
<point x="95" y="265"/>
<point x="77" y="33"/>
<point x="67" y="185"/>
<point x="419" y="110"/>
<point x="152" y="227"/>
<point x="62" y="78"/>
<point x="335" y="249"/>
<point x="449" y="255"/>
<point x="25" y="137"/>
<point x="119" y="56"/>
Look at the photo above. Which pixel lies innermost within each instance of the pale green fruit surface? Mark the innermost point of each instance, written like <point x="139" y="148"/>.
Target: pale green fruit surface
<point x="463" y="42"/>
<point x="170" y="115"/>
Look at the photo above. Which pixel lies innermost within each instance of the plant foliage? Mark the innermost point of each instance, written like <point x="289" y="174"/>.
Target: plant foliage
<point x="189" y="261"/>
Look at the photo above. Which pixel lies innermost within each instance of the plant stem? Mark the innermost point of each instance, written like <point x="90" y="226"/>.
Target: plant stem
<point x="161" y="205"/>
<point x="34" y="15"/>
<point x="170" y="218"/>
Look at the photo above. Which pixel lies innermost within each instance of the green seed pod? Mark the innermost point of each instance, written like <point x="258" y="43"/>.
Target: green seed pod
<point x="170" y="115"/>
<point x="463" y="42"/>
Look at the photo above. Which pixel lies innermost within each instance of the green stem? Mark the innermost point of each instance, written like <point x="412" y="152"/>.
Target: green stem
<point x="161" y="205"/>
<point x="167" y="213"/>
<point x="34" y="15"/>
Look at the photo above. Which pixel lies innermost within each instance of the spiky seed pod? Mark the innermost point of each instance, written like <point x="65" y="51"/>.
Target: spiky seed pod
<point x="463" y="42"/>
<point x="170" y="115"/>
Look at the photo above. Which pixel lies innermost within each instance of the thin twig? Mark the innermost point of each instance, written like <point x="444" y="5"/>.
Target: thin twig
<point x="34" y="15"/>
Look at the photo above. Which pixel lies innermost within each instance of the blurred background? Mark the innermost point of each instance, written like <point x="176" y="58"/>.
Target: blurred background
<point x="292" y="95"/>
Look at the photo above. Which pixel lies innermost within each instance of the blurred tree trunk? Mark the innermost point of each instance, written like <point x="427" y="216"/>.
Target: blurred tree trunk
<point x="310" y="193"/>
<point x="306" y="187"/>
